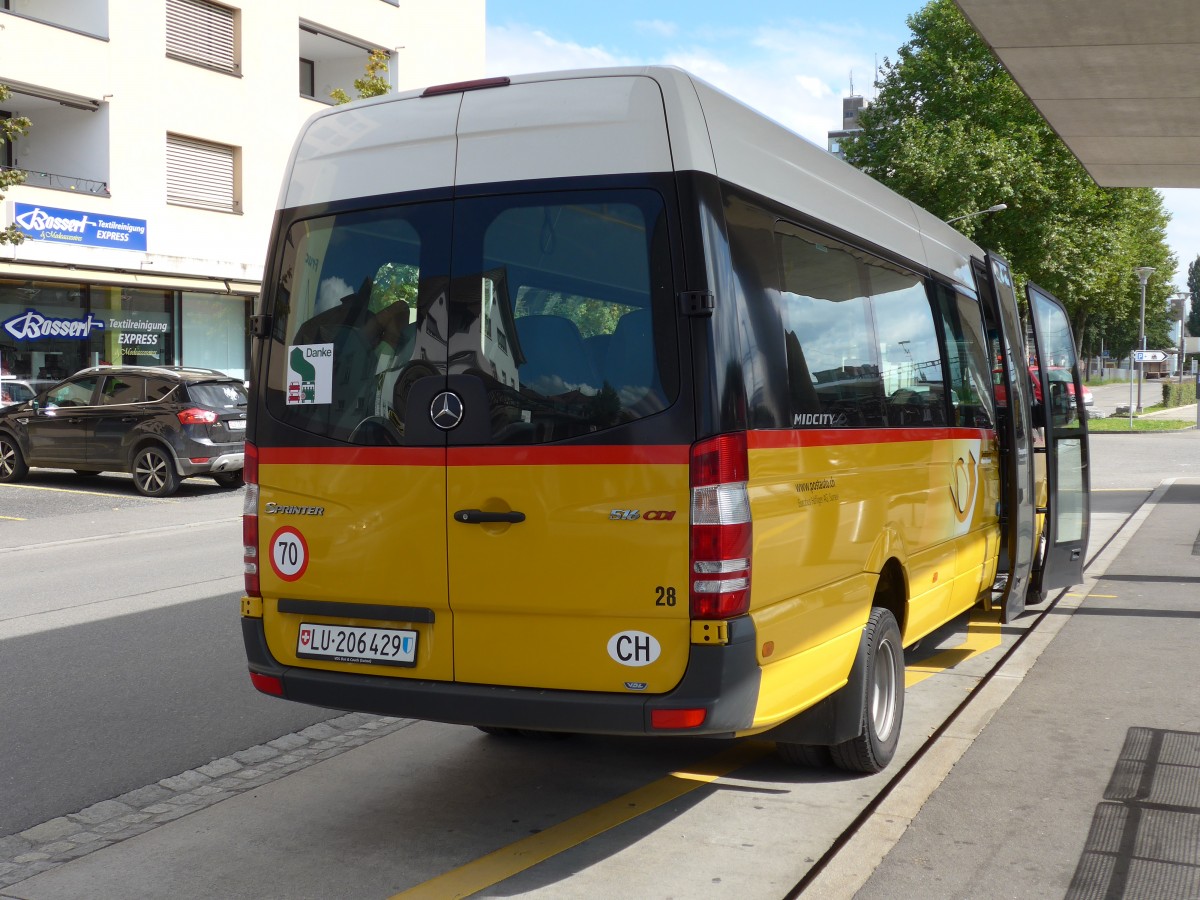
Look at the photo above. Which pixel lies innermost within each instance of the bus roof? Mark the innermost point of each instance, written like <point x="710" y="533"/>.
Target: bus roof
<point x="602" y="122"/>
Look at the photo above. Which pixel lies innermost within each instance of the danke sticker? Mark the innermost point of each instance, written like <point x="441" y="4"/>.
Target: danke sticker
<point x="310" y="374"/>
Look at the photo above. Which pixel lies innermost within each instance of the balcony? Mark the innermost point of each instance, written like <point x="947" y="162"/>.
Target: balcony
<point x="330" y="60"/>
<point x="87" y="17"/>
<point x="67" y="145"/>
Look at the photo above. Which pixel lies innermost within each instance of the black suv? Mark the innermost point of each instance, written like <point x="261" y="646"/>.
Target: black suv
<point x="160" y="423"/>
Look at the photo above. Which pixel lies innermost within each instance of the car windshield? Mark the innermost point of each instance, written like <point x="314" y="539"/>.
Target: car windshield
<point x="219" y="394"/>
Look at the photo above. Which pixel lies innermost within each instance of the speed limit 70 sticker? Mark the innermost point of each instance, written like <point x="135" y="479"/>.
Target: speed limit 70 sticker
<point x="289" y="553"/>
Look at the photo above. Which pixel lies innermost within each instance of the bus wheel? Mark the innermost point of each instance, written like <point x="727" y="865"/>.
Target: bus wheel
<point x="883" y="707"/>
<point x="813" y="756"/>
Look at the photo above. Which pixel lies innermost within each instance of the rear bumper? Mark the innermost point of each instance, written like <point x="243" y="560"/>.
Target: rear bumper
<point x="226" y="462"/>
<point x="723" y="680"/>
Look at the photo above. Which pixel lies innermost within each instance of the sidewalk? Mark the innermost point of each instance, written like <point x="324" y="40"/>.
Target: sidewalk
<point x="1076" y="773"/>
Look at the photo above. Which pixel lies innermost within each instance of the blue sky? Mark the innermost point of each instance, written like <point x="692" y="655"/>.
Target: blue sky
<point x="791" y="60"/>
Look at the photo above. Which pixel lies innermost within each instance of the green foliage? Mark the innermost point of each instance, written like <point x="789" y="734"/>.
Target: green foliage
<point x="1193" y="283"/>
<point x="952" y="132"/>
<point x="1179" y="394"/>
<point x="10" y="130"/>
<point x="373" y="84"/>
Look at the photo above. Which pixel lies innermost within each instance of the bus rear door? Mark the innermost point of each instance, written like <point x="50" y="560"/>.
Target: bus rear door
<point x="1065" y="532"/>
<point x="1014" y="401"/>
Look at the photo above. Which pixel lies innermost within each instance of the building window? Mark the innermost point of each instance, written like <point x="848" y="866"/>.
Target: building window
<point x="203" y="33"/>
<point x="202" y="174"/>
<point x="308" y="78"/>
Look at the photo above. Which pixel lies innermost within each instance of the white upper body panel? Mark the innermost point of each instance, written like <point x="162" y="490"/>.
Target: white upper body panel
<point x="603" y="122"/>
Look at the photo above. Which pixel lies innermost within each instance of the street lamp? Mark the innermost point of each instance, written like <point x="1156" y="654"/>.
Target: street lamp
<point x="1143" y="274"/>
<point x="979" y="212"/>
<point x="1181" y="298"/>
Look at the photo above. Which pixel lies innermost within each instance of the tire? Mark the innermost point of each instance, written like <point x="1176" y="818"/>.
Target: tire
<point x="231" y="481"/>
<point x="154" y="472"/>
<point x="87" y="473"/>
<point x="883" y="703"/>
<point x="12" y="460"/>
<point x="811" y="756"/>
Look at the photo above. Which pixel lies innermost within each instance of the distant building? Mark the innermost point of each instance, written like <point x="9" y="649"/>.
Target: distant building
<point x="851" y="107"/>
<point x="161" y="129"/>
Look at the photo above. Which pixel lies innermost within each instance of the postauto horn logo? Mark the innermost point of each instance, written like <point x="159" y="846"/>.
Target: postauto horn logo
<point x="33" y="326"/>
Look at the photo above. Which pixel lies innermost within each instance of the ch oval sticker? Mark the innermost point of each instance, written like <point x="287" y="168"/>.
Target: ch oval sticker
<point x="634" y="648"/>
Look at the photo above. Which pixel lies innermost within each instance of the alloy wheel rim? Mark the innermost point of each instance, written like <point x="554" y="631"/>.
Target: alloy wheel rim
<point x="883" y="691"/>
<point x="150" y="472"/>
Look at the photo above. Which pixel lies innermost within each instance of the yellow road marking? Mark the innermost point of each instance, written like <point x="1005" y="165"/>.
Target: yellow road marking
<point x="528" y="852"/>
<point x="36" y="487"/>
<point x="12" y="518"/>
<point x="983" y="634"/>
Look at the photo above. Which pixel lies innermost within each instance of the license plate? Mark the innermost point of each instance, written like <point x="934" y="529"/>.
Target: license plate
<point x="351" y="644"/>
<point x="236" y="424"/>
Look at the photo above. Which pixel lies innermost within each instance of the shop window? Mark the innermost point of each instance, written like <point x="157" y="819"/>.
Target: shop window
<point x="202" y="174"/>
<point x="204" y="34"/>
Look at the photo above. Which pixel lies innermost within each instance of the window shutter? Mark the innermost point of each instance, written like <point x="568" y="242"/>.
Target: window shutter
<point x="200" y="174"/>
<point x="202" y="33"/>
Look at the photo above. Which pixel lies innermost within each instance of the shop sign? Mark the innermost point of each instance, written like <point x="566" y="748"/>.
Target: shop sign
<point x="83" y="229"/>
<point x="32" y="326"/>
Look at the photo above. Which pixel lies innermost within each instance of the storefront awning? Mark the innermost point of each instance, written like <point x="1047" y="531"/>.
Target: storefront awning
<point x="79" y="275"/>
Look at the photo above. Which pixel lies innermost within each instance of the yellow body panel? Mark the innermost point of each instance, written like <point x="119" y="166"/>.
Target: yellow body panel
<point x="379" y="528"/>
<point x="537" y="604"/>
<point x="591" y="591"/>
<point x="828" y="516"/>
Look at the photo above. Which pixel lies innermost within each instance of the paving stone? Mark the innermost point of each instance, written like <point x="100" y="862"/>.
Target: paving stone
<point x="185" y="781"/>
<point x="54" y="830"/>
<point x="12" y="845"/>
<point x="257" y="754"/>
<point x="26" y="858"/>
<point x="319" y="732"/>
<point x="101" y="812"/>
<point x="144" y="796"/>
<point x="288" y="742"/>
<point x="219" y="767"/>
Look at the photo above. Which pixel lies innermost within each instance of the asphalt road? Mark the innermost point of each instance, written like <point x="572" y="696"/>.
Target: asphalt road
<point x="120" y="655"/>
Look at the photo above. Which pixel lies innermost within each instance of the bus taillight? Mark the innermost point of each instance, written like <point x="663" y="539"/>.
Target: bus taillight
<point x="250" y="521"/>
<point x="722" y="533"/>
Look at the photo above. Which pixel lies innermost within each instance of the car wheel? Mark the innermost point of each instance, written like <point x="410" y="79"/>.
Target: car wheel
<point x="883" y="709"/>
<point x="12" y="461"/>
<point x="228" y="480"/>
<point x="154" y="472"/>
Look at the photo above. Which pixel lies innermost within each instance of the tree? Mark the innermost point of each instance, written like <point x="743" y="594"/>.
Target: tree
<point x="373" y="84"/>
<point x="10" y="130"/>
<point x="952" y="132"/>
<point x="1193" y="283"/>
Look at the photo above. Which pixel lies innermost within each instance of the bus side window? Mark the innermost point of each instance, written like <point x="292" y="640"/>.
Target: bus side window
<point x="832" y="352"/>
<point x="908" y="342"/>
<point x="967" y="352"/>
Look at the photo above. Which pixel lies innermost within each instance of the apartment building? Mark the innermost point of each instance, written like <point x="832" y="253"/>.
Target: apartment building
<point x="160" y="130"/>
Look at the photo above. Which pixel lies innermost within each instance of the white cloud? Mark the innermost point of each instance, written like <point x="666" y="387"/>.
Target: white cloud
<point x="657" y="27"/>
<point x="515" y="49"/>
<point x="1183" y="233"/>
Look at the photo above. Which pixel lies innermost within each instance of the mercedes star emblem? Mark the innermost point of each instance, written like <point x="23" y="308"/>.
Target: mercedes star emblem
<point x="446" y="410"/>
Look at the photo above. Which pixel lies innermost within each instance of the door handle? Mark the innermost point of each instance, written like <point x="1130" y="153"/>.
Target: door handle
<point x="479" y="517"/>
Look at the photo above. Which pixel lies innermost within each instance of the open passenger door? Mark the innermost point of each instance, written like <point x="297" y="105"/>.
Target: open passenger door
<point x="1014" y="403"/>
<point x="1065" y="532"/>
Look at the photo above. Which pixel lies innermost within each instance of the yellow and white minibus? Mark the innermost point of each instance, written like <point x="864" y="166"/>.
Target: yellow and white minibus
<point x="597" y="402"/>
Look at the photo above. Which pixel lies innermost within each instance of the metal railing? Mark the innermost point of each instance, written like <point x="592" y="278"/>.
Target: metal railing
<point x="70" y="183"/>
